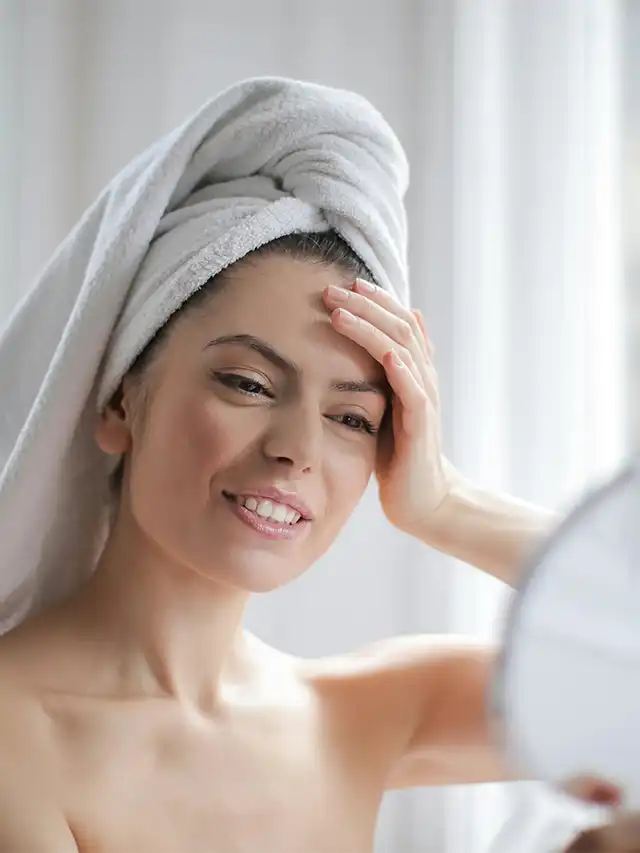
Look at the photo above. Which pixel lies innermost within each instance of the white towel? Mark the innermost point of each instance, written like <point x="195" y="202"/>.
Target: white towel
<point x="268" y="157"/>
<point x="544" y="820"/>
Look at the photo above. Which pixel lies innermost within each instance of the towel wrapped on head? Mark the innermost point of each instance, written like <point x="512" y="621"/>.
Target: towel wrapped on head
<point x="266" y="158"/>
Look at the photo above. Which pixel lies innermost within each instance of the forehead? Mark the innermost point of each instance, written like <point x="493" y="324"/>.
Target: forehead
<point x="279" y="299"/>
<point x="278" y="287"/>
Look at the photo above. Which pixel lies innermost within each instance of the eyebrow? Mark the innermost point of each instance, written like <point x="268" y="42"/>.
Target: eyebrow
<point x="285" y="364"/>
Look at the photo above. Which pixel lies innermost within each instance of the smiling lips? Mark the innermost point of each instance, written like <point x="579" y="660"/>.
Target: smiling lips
<point x="272" y="519"/>
<point x="268" y="509"/>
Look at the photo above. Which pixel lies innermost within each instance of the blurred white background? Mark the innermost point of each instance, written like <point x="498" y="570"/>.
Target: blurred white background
<point x="521" y="121"/>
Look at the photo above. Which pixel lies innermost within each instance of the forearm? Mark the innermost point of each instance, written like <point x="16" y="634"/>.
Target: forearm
<point x="493" y="532"/>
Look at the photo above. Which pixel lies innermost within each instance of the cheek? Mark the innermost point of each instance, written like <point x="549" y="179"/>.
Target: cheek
<point x="186" y="445"/>
<point x="347" y="476"/>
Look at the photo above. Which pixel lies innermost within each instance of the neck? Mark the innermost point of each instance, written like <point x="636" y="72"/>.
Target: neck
<point x="168" y="631"/>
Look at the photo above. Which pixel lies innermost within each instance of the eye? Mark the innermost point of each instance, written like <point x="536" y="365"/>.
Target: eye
<point x="242" y="384"/>
<point x="357" y="423"/>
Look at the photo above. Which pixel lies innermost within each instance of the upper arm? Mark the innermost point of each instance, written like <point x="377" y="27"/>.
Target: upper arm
<point x="453" y="738"/>
<point x="426" y="698"/>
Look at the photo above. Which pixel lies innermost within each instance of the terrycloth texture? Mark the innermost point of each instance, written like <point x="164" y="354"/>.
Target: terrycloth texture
<point x="542" y="820"/>
<point x="266" y="158"/>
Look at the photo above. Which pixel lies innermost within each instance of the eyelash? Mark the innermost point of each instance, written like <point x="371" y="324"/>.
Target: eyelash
<point x="234" y="380"/>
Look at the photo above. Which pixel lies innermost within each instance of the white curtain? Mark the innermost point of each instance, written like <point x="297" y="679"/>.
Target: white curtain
<point x="631" y="203"/>
<point x="510" y="115"/>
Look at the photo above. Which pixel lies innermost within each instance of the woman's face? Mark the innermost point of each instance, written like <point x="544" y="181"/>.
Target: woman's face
<point x="254" y="394"/>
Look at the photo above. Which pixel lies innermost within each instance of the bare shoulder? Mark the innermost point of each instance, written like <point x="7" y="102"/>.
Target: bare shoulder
<point x="22" y="720"/>
<point x="30" y="819"/>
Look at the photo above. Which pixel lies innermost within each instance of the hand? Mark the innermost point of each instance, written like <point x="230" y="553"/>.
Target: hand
<point x="413" y="476"/>
<point x="622" y="835"/>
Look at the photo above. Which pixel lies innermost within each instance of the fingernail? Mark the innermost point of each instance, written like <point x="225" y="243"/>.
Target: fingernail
<point x="365" y="286"/>
<point x="338" y="294"/>
<point x="346" y="316"/>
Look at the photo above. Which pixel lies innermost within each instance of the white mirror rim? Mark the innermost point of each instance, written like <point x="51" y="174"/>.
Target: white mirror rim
<point x="566" y="695"/>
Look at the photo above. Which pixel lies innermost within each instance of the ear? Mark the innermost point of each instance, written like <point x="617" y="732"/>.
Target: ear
<point x="113" y="430"/>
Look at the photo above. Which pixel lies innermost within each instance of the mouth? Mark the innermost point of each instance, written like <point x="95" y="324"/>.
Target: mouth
<point x="270" y="518"/>
<point x="267" y="509"/>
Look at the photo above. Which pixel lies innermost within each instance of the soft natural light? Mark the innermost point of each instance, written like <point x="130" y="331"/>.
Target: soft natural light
<point x="511" y="114"/>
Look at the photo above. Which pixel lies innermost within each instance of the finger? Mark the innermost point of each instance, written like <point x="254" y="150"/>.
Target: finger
<point x="432" y="378"/>
<point x="377" y="344"/>
<point x="388" y="301"/>
<point x="391" y="304"/>
<point x="412" y="396"/>
<point x="400" y="326"/>
<point x="422" y="340"/>
<point x="379" y="308"/>
<point x="381" y="297"/>
<point x="427" y="340"/>
<point x="371" y="338"/>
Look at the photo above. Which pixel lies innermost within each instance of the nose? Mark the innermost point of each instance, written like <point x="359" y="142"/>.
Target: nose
<point x="294" y="437"/>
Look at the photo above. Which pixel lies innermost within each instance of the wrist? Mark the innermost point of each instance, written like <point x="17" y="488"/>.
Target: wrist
<point x="445" y="524"/>
<point x="491" y="531"/>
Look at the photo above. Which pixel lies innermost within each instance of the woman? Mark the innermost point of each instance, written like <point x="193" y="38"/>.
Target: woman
<point x="137" y="713"/>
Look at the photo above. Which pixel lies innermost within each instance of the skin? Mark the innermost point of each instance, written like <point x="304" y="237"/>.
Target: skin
<point x="139" y="714"/>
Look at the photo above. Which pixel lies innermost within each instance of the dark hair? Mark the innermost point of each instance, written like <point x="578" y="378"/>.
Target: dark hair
<point x="325" y="247"/>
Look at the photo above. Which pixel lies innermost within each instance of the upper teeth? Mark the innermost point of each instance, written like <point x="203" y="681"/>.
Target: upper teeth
<point x="270" y="509"/>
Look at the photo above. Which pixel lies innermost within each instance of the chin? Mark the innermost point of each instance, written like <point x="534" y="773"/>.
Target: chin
<point x="257" y="574"/>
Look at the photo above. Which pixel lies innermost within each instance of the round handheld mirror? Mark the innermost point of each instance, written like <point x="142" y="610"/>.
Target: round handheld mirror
<point x="567" y="688"/>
